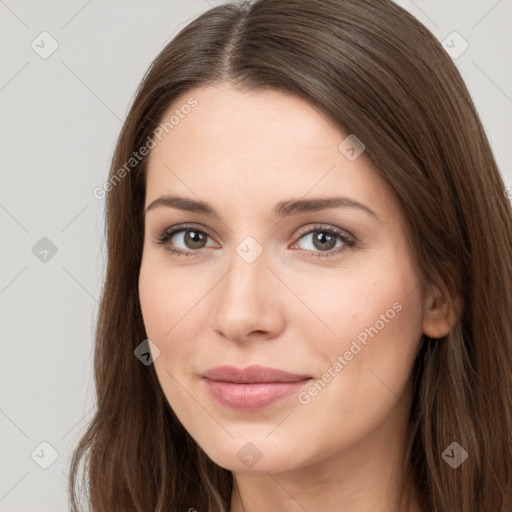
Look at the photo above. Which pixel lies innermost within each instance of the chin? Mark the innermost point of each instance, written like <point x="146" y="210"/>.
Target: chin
<point x="258" y="456"/>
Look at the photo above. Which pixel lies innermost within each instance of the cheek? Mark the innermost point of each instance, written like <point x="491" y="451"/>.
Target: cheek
<point x="174" y="303"/>
<point x="382" y="303"/>
<point x="374" y="321"/>
<point x="169" y="307"/>
<point x="170" y="298"/>
<point x="378" y="326"/>
<point x="364" y="370"/>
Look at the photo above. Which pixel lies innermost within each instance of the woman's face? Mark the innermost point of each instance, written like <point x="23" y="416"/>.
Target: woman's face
<point x="326" y="293"/>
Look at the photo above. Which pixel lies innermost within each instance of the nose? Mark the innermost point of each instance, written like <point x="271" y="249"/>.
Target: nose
<point x="249" y="301"/>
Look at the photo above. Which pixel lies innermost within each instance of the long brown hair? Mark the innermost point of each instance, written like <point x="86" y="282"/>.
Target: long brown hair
<point x="378" y="73"/>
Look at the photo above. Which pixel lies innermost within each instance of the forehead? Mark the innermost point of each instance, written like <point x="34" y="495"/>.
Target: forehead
<point x="257" y="146"/>
<point x="245" y="125"/>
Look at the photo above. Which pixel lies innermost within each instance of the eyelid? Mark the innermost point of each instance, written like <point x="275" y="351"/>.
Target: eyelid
<point x="319" y="226"/>
<point x="172" y="230"/>
<point x="347" y="238"/>
<point x="302" y="230"/>
<point x="168" y="233"/>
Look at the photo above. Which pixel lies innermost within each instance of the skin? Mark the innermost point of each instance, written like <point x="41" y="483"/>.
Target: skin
<point x="242" y="152"/>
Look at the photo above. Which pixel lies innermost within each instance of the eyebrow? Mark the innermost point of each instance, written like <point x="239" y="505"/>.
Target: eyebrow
<point x="281" y="209"/>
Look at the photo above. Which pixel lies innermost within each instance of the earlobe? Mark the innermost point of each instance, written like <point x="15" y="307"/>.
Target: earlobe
<point x="439" y="316"/>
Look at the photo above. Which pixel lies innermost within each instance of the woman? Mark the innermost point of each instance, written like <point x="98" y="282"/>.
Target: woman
<point x="308" y="292"/>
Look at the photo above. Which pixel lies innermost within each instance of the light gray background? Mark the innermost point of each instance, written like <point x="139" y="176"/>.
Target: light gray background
<point x="59" y="122"/>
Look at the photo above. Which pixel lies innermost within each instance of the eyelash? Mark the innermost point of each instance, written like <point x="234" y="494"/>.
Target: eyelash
<point x="347" y="240"/>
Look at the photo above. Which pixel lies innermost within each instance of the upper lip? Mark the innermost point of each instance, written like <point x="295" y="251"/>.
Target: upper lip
<point x="251" y="374"/>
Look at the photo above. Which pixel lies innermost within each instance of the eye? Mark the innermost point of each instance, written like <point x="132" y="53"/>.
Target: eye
<point x="322" y="240"/>
<point x="188" y="236"/>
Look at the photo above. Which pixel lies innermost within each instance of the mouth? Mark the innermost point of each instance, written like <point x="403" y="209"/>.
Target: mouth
<point x="251" y="388"/>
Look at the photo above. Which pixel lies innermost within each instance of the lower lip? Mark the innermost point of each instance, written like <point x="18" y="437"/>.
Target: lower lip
<point x="250" y="397"/>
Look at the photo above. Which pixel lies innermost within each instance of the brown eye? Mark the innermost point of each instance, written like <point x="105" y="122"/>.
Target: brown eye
<point x="184" y="240"/>
<point x="322" y="240"/>
<point x="194" y="239"/>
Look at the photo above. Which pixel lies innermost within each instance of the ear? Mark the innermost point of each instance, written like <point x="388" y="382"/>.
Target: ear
<point x="439" y="316"/>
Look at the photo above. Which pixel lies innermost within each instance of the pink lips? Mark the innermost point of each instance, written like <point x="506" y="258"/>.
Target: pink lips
<point x="251" y="388"/>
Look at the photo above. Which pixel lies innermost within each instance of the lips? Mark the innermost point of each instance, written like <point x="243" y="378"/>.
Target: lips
<point x="251" y="374"/>
<point x="253" y="387"/>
